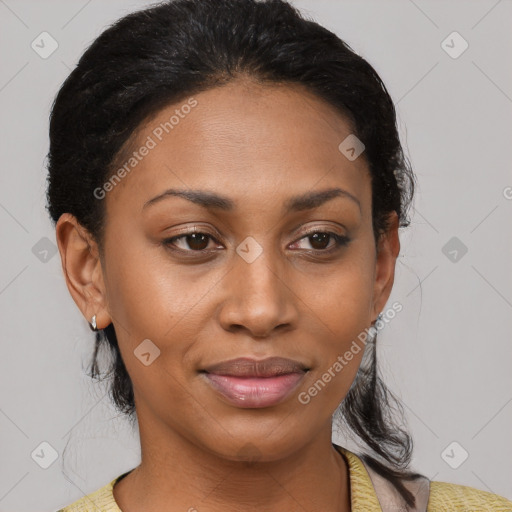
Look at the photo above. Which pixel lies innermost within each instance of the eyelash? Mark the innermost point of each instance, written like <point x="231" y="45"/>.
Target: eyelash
<point x="339" y="242"/>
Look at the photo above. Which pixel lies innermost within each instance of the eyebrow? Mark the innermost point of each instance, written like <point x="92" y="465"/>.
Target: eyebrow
<point x="207" y="199"/>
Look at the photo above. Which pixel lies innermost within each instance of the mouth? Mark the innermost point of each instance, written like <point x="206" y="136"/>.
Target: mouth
<point x="249" y="383"/>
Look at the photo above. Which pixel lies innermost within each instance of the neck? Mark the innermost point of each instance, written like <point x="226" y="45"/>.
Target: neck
<point x="177" y="471"/>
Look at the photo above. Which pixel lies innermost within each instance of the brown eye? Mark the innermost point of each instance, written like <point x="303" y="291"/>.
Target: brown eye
<point x="323" y="241"/>
<point x="319" y="240"/>
<point x="190" y="242"/>
<point x="197" y="241"/>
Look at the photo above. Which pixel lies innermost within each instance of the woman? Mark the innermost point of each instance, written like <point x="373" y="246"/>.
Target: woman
<point x="227" y="184"/>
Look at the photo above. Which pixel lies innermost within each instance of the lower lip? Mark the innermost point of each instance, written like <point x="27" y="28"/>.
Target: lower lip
<point x="254" y="392"/>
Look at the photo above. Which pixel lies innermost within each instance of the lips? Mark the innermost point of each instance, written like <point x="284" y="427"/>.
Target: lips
<point x="248" y="383"/>
<point x="247" y="367"/>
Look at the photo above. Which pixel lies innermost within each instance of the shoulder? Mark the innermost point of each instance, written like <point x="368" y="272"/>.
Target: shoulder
<point x="367" y="487"/>
<point x="453" y="497"/>
<point x="102" y="499"/>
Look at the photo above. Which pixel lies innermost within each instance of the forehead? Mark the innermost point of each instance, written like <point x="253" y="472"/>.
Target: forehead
<point x="250" y="140"/>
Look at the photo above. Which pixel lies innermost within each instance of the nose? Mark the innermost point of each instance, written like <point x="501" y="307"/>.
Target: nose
<point x="258" y="298"/>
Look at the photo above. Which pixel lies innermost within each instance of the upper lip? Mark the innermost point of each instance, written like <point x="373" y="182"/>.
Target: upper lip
<point x="247" y="367"/>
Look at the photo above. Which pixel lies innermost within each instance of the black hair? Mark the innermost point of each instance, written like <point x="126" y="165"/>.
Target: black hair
<point x="167" y="52"/>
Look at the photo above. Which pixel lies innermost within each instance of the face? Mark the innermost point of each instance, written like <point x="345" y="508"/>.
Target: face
<point x="264" y="248"/>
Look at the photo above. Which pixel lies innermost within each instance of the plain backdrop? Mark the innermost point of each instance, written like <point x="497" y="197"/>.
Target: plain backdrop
<point x="447" y="354"/>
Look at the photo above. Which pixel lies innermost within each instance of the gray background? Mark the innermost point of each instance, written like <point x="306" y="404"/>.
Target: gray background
<point x="447" y="354"/>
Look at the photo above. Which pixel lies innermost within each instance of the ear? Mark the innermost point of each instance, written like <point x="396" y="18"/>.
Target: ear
<point x="388" y="248"/>
<point x="82" y="269"/>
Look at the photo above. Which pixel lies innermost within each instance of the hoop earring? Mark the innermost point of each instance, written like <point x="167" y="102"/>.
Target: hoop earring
<point x="93" y="325"/>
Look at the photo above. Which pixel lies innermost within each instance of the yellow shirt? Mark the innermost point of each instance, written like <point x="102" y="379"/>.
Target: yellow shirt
<point x="443" y="497"/>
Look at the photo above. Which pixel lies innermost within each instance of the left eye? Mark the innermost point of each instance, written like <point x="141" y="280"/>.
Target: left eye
<point x="319" y="240"/>
<point x="195" y="241"/>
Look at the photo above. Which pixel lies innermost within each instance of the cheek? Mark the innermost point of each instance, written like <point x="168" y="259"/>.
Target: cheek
<point x="152" y="296"/>
<point x="150" y="299"/>
<point x="340" y="315"/>
<point x="342" y="295"/>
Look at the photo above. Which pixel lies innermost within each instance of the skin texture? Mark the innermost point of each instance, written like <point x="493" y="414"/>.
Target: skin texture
<point x="259" y="145"/>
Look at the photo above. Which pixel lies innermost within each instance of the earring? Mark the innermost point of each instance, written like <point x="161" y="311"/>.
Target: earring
<point x="93" y="325"/>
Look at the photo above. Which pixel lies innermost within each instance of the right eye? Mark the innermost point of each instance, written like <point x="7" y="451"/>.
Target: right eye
<point x="194" y="241"/>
